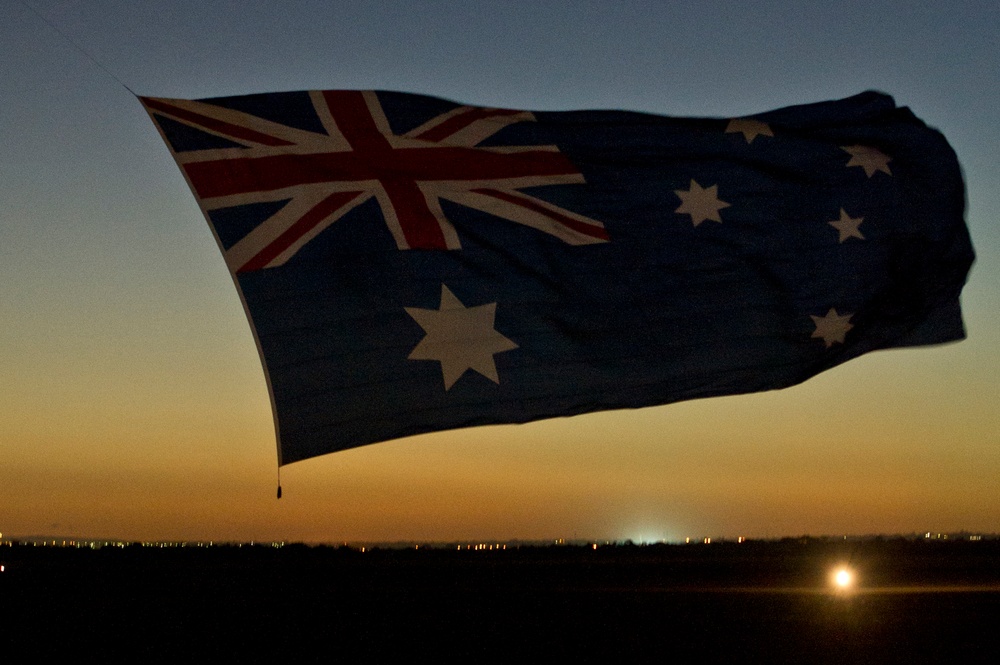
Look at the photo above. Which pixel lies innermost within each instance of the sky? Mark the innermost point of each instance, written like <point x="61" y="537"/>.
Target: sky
<point x="132" y="400"/>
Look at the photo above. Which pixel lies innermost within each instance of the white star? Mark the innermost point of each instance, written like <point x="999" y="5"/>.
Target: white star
<point x="848" y="226"/>
<point x="868" y="158"/>
<point x="700" y="203"/>
<point x="749" y="127"/>
<point x="459" y="337"/>
<point x="832" y="327"/>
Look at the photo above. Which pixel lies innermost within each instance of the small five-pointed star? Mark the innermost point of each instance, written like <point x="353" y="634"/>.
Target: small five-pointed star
<point x="701" y="203"/>
<point x="832" y="328"/>
<point x="847" y="226"/>
<point x="868" y="158"/>
<point x="749" y="127"/>
<point x="460" y="338"/>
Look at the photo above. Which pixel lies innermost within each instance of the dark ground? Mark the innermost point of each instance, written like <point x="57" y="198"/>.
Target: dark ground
<point x="752" y="602"/>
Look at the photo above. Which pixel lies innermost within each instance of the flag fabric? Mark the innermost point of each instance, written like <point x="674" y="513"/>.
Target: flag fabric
<point x="410" y="264"/>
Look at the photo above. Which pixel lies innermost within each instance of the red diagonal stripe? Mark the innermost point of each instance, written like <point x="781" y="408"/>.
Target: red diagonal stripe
<point x="302" y="226"/>
<point x="460" y="121"/>
<point x="220" y="126"/>
<point x="569" y="222"/>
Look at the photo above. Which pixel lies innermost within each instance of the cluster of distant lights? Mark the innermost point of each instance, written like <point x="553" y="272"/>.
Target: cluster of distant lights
<point x="708" y="540"/>
<point x="842" y="581"/>
<point x="121" y="544"/>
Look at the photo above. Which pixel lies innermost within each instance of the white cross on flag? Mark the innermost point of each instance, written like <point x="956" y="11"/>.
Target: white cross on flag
<point x="325" y="175"/>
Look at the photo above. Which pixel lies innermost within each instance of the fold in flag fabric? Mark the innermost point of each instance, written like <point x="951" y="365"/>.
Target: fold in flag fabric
<point x="409" y="264"/>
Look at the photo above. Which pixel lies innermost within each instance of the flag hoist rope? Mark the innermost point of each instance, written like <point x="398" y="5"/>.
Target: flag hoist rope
<point x="69" y="40"/>
<point x="110" y="74"/>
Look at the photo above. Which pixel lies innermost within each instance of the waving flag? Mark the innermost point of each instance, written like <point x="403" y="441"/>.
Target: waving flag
<point x="410" y="264"/>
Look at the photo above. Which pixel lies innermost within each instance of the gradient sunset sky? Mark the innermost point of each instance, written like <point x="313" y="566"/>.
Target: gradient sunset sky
<point x="132" y="400"/>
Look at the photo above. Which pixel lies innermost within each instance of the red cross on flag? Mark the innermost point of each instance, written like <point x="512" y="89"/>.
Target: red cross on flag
<point x="325" y="175"/>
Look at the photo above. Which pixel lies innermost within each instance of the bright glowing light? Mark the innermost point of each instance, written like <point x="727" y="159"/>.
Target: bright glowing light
<point x="843" y="579"/>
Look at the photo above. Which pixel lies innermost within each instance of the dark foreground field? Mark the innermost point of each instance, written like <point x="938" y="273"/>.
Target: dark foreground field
<point x="751" y="602"/>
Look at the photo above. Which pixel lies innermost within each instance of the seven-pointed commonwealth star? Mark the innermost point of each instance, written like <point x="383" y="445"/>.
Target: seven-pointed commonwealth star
<point x="459" y="337"/>
<point x="868" y="158"/>
<point x="749" y="127"/>
<point x="700" y="203"/>
<point x="847" y="226"/>
<point x="832" y="328"/>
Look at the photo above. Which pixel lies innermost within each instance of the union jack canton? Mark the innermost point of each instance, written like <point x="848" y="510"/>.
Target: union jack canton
<point x="357" y="157"/>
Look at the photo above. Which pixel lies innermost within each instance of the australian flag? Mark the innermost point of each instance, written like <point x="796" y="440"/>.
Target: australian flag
<point x="410" y="264"/>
